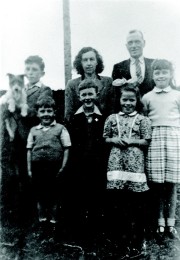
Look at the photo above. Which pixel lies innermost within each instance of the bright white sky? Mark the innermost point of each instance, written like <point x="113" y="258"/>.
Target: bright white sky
<point x="31" y="27"/>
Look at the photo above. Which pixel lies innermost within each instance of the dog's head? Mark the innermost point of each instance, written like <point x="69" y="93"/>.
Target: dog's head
<point x="16" y="83"/>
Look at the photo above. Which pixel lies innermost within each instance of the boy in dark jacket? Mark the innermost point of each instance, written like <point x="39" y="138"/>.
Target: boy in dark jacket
<point x="88" y="163"/>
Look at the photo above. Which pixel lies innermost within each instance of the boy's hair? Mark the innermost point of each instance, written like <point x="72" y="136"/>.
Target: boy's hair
<point x="45" y="101"/>
<point x="88" y="83"/>
<point x="160" y="64"/>
<point x="133" y="88"/>
<point x="77" y="62"/>
<point x="36" y="59"/>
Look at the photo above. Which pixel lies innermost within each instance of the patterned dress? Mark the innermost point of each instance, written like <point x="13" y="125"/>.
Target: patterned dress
<point x="126" y="165"/>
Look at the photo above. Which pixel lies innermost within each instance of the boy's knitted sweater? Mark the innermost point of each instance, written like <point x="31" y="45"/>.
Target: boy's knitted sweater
<point x="47" y="144"/>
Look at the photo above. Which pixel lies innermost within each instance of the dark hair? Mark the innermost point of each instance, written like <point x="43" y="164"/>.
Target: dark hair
<point x="88" y="83"/>
<point x="45" y="101"/>
<point x="36" y="59"/>
<point x="160" y="64"/>
<point x="131" y="87"/>
<point x="77" y="62"/>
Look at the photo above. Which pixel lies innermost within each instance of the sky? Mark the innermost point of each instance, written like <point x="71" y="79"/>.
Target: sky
<point x="35" y="27"/>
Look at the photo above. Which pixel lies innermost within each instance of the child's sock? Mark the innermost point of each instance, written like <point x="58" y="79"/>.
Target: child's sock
<point x="170" y="222"/>
<point x="161" y="222"/>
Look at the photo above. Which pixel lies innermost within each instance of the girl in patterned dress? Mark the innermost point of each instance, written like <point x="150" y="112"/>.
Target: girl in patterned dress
<point x="128" y="133"/>
<point x="162" y="106"/>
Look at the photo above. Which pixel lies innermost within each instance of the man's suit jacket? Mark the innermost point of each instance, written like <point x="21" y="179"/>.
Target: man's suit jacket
<point x="105" y="100"/>
<point x="122" y="70"/>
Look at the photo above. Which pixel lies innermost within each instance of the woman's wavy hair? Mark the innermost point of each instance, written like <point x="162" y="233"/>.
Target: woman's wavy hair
<point x="77" y="62"/>
<point x="133" y="88"/>
<point x="160" y="64"/>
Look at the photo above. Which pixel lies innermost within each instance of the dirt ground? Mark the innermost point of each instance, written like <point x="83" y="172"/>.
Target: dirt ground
<point x="31" y="241"/>
<point x="36" y="246"/>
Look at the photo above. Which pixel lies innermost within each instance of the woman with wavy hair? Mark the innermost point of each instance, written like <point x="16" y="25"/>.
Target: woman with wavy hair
<point x="89" y="64"/>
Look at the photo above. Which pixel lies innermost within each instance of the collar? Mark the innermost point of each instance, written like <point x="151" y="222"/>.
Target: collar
<point x="38" y="84"/>
<point x="96" y="110"/>
<point x="159" y="90"/>
<point x="42" y="126"/>
<point x="141" y="60"/>
<point x="131" y="114"/>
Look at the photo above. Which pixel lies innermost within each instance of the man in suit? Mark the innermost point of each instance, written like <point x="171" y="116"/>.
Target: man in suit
<point x="136" y="68"/>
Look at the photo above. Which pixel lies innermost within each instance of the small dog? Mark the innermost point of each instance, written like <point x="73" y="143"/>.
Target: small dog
<point x="15" y="99"/>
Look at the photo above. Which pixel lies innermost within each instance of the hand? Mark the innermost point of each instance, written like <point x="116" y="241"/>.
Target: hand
<point x="118" y="141"/>
<point x="128" y="141"/>
<point x="119" y="82"/>
<point x="60" y="172"/>
<point x="11" y="136"/>
<point x="30" y="173"/>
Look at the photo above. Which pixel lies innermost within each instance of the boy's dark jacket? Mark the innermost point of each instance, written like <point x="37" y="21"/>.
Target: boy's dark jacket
<point x="88" y="148"/>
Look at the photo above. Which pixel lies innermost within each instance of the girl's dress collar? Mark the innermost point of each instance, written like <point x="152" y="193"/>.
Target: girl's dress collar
<point x="159" y="90"/>
<point x="131" y="114"/>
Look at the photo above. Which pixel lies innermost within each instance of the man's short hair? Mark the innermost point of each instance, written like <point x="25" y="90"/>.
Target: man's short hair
<point x="36" y="59"/>
<point x="136" y="31"/>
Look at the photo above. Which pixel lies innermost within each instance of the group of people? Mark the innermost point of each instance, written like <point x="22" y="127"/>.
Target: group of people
<point x="119" y="142"/>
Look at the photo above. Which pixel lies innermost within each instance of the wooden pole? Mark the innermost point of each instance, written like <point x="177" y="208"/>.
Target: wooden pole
<point x="67" y="41"/>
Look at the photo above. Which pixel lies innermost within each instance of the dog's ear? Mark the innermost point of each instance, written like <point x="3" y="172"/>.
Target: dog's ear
<point x="11" y="78"/>
<point x="20" y="79"/>
<point x="22" y="76"/>
<point x="10" y="75"/>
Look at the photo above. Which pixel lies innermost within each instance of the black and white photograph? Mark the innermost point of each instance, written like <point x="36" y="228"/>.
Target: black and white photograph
<point x="90" y="130"/>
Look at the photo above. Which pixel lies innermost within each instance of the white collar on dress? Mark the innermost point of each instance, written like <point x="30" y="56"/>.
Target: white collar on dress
<point x="131" y="114"/>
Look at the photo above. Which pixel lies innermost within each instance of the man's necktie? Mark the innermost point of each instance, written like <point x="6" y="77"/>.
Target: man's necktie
<point x="138" y="71"/>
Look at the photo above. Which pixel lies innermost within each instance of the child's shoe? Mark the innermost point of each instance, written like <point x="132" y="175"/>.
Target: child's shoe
<point x="42" y="220"/>
<point x="160" y="232"/>
<point x="172" y="233"/>
<point x="134" y="253"/>
<point x="53" y="221"/>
